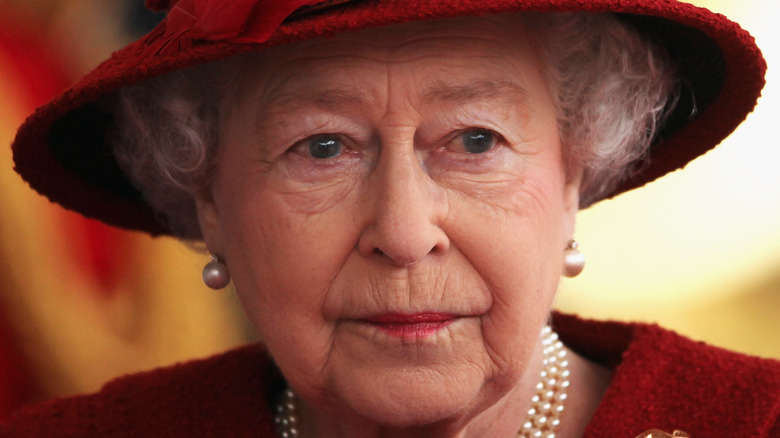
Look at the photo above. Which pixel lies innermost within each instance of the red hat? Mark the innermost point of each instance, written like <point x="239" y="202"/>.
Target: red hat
<point x="61" y="150"/>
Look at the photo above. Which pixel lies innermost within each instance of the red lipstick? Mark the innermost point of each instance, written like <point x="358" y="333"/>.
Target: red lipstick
<point x="411" y="325"/>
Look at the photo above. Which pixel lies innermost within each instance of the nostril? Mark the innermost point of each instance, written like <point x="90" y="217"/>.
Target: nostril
<point x="396" y="260"/>
<point x="406" y="258"/>
<point x="438" y="248"/>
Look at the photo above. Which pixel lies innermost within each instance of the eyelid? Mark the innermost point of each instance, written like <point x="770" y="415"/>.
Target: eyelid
<point x="511" y="125"/>
<point x="308" y="124"/>
<point x="498" y="139"/>
<point x="301" y="147"/>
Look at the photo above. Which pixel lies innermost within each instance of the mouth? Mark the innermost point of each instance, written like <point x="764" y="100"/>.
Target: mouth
<point x="416" y="325"/>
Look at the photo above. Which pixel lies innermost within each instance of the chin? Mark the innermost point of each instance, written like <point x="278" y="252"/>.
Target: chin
<point x="416" y="398"/>
<point x="411" y="413"/>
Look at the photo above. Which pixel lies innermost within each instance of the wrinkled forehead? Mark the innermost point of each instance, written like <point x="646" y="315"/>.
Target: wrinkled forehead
<point x="466" y="56"/>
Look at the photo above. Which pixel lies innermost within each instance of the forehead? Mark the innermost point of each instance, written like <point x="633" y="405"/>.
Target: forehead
<point x="462" y="56"/>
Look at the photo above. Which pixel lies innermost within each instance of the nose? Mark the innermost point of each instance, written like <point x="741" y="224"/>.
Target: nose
<point x="404" y="209"/>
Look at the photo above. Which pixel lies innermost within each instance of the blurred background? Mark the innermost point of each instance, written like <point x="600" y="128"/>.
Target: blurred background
<point x="698" y="251"/>
<point x="80" y="302"/>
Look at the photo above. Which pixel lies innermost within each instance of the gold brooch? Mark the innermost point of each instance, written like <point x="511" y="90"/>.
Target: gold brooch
<point x="655" y="433"/>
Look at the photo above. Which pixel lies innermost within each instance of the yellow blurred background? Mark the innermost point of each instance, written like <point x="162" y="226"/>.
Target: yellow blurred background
<point x="698" y="251"/>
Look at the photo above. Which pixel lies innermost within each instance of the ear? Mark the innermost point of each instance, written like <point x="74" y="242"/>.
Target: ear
<point x="209" y="220"/>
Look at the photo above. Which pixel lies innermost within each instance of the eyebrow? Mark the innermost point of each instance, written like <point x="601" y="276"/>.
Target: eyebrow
<point x="339" y="98"/>
<point x="331" y="98"/>
<point x="497" y="91"/>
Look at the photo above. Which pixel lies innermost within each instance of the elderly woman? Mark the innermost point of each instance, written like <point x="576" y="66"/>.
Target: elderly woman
<point x="392" y="187"/>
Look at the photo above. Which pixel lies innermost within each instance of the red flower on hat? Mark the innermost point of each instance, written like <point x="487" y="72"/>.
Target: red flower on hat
<point x="237" y="21"/>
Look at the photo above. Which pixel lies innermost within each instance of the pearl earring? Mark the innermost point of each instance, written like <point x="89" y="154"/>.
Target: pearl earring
<point x="573" y="260"/>
<point x="216" y="274"/>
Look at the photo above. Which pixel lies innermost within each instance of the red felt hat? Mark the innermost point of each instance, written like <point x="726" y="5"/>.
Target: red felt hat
<point x="61" y="150"/>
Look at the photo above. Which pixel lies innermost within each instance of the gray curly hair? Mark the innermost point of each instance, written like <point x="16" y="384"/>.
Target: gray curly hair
<point x="612" y="90"/>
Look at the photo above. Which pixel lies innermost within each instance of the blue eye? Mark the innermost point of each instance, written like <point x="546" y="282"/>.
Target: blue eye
<point x="324" y="147"/>
<point x="478" y="141"/>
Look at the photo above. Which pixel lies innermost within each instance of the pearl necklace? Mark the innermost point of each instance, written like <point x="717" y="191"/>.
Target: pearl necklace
<point x="544" y="416"/>
<point x="285" y="418"/>
<point x="542" y="419"/>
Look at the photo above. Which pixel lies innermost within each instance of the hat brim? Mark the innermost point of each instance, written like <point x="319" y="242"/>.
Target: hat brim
<point x="63" y="153"/>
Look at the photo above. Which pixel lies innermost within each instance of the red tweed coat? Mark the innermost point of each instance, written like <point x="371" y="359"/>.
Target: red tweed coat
<point x="661" y="381"/>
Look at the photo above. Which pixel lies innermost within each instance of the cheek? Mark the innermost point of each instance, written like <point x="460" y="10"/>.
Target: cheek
<point x="279" y="232"/>
<point x="520" y="266"/>
<point x="282" y="260"/>
<point x="286" y="264"/>
<point x="513" y="241"/>
<point x="286" y="256"/>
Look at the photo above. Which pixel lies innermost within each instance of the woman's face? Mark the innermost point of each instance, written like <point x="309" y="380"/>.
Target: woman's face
<point x="393" y="207"/>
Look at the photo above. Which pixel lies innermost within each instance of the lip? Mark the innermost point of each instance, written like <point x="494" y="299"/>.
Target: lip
<point x="411" y="325"/>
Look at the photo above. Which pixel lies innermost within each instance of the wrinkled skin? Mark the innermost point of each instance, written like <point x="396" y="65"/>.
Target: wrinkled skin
<point x="404" y="170"/>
